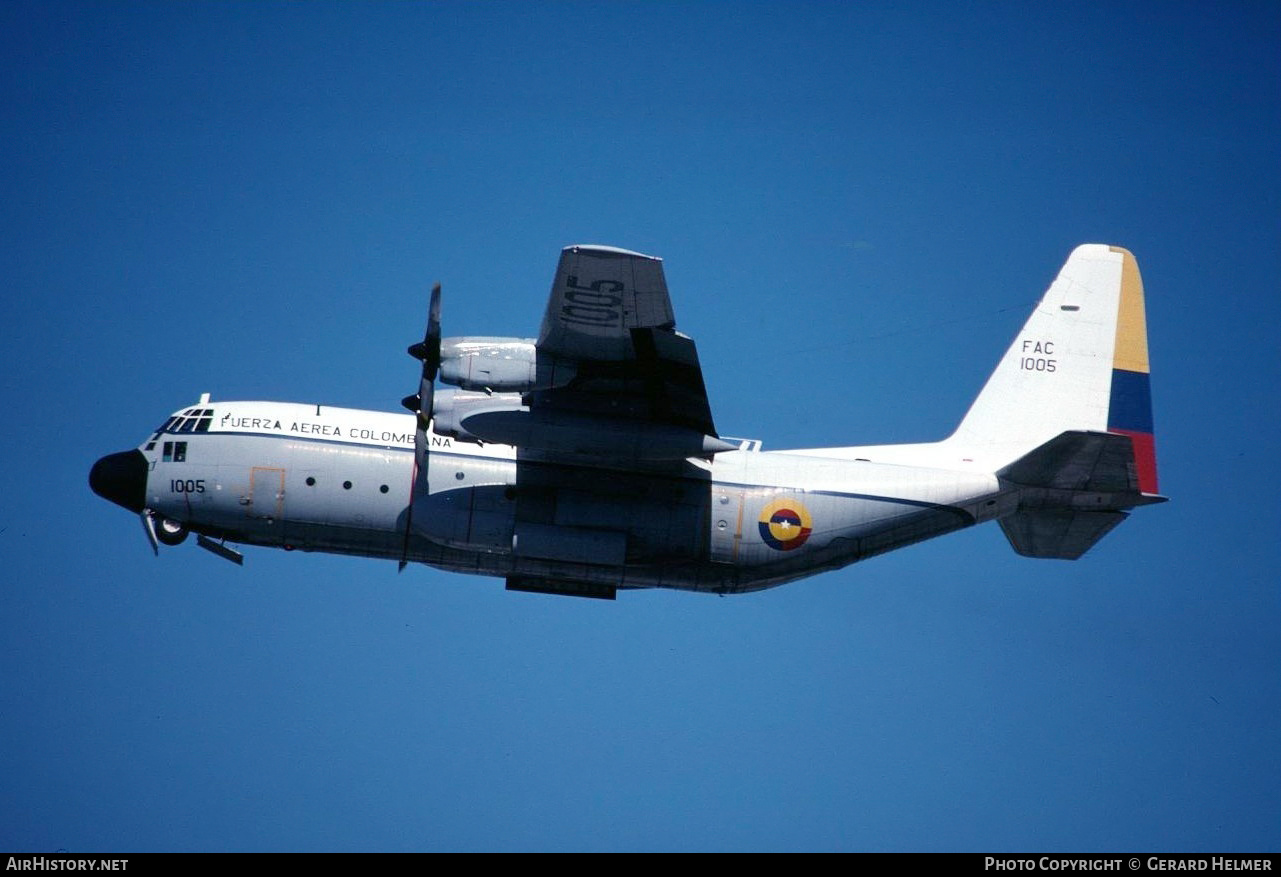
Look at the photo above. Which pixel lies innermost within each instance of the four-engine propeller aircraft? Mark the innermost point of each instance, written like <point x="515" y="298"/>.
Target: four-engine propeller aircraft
<point x="586" y="460"/>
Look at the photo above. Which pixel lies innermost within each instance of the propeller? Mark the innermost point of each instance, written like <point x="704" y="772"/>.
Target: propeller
<point x="428" y="351"/>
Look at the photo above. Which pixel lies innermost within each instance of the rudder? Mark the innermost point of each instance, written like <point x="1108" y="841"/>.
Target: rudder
<point x="1130" y="397"/>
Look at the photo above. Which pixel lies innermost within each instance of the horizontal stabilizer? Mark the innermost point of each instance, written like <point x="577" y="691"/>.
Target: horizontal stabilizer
<point x="1077" y="460"/>
<point x="1057" y="533"/>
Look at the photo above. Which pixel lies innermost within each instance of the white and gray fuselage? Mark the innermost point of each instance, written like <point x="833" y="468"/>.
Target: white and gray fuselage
<point x="318" y="478"/>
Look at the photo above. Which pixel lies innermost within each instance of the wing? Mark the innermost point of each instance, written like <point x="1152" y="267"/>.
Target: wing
<point x="598" y="295"/>
<point x="609" y="323"/>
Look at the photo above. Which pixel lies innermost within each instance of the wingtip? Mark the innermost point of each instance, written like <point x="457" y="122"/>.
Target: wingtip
<point x="608" y="251"/>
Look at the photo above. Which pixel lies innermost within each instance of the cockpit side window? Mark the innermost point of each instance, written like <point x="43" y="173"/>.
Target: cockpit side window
<point x="174" y="452"/>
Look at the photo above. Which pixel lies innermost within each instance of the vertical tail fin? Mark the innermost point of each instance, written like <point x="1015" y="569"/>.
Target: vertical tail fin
<point x="1079" y="363"/>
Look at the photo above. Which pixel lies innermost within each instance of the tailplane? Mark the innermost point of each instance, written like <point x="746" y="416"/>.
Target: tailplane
<point x="1064" y="534"/>
<point x="1071" y="492"/>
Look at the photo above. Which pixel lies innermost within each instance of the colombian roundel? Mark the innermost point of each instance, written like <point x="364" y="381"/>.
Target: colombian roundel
<point x="785" y="524"/>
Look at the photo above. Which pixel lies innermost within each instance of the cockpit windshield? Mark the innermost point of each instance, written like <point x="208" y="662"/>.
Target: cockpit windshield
<point x="191" y="420"/>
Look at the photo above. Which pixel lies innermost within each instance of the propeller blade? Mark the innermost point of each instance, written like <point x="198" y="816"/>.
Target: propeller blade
<point x="432" y="339"/>
<point x="428" y="351"/>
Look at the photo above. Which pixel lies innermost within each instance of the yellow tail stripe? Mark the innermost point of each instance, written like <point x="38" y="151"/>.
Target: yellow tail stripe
<point x="1131" y="351"/>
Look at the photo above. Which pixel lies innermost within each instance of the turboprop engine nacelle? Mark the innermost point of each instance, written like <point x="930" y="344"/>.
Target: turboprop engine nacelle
<point x="503" y="418"/>
<point x="451" y="408"/>
<point x="497" y="364"/>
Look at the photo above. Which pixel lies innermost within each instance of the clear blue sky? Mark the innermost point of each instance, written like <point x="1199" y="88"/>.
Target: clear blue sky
<point x="857" y="204"/>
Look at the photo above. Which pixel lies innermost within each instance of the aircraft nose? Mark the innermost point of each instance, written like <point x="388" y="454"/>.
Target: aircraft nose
<point x="121" y="478"/>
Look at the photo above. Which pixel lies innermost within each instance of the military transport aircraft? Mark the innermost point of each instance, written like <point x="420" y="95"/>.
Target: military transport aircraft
<point x="586" y="461"/>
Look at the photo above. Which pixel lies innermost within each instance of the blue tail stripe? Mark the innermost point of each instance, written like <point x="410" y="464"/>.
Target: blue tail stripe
<point x="1130" y="406"/>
